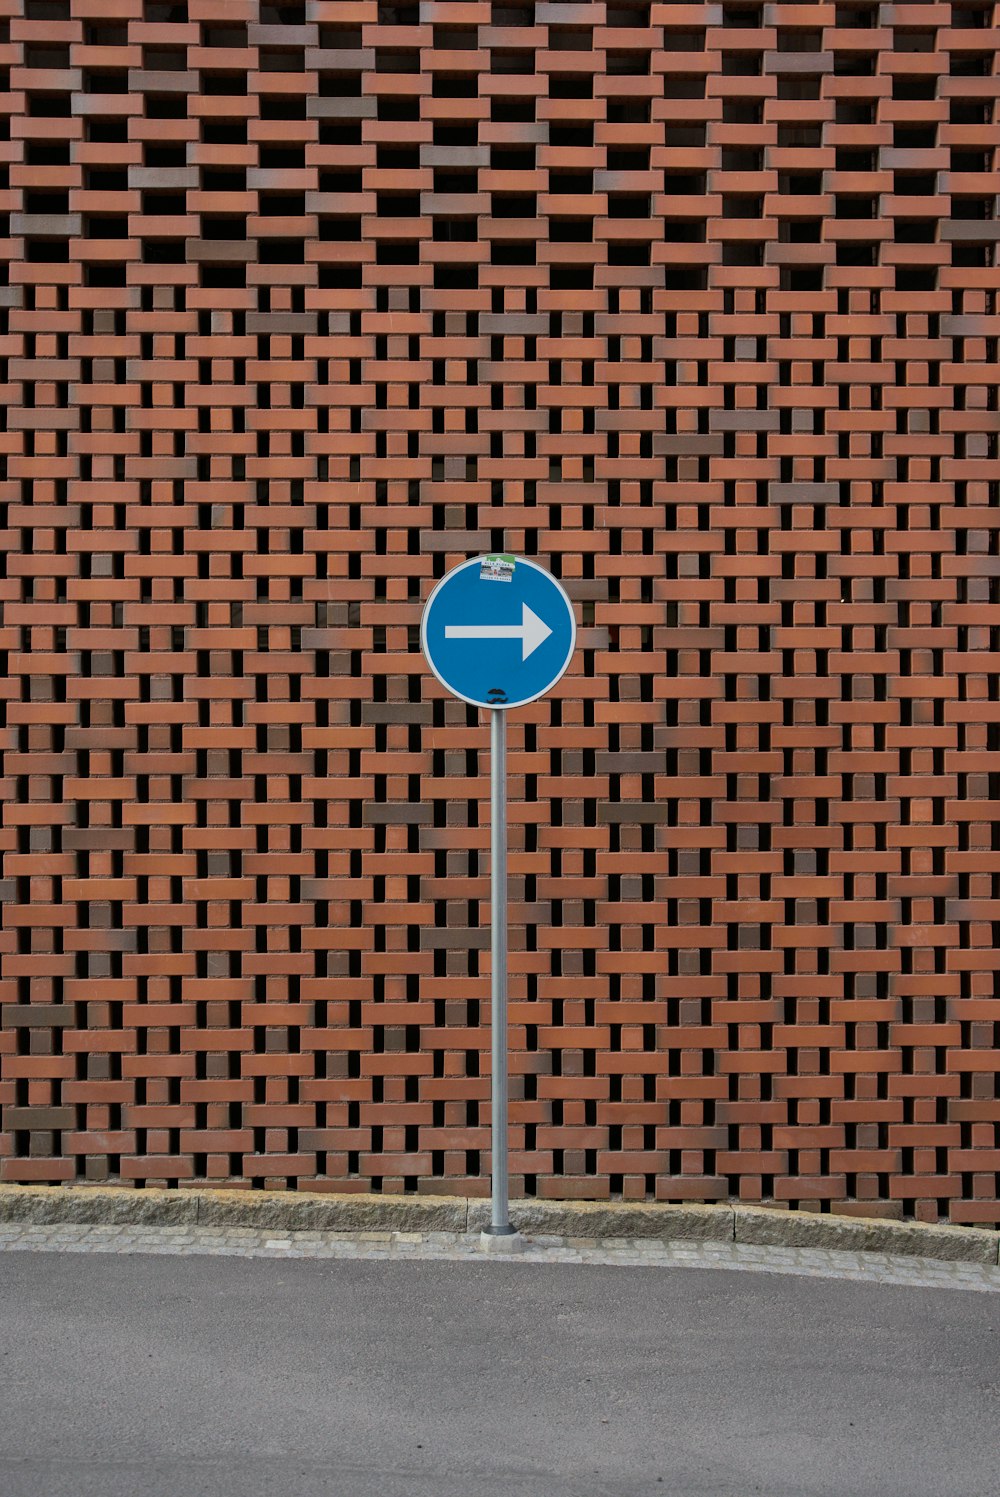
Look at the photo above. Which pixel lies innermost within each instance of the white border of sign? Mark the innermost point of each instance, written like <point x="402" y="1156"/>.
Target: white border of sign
<point x="475" y="561"/>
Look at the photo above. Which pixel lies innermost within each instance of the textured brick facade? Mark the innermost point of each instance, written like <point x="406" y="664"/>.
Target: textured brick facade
<point x="696" y="303"/>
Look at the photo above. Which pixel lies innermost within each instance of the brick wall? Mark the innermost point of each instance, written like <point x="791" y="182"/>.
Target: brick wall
<point x="696" y="303"/>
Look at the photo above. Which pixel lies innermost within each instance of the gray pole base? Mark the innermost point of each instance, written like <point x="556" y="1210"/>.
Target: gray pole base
<point x="501" y="1242"/>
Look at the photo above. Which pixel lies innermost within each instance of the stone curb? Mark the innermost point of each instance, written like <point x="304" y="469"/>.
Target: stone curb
<point x="594" y="1219"/>
<point x="288" y="1211"/>
<point x="95" y="1205"/>
<point x="773" y="1228"/>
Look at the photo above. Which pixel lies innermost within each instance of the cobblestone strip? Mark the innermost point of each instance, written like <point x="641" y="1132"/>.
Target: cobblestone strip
<point x="247" y="1242"/>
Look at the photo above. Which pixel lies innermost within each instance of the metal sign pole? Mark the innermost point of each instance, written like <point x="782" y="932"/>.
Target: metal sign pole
<point x="500" y="1224"/>
<point x="498" y="629"/>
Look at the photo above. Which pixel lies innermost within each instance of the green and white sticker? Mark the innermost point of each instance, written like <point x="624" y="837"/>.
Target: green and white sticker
<point x="497" y="569"/>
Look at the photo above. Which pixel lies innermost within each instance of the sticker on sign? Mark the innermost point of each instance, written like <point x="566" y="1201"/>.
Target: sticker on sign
<point x="497" y="568"/>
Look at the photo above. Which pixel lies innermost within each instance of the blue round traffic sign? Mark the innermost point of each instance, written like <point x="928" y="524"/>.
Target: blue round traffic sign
<point x="498" y="631"/>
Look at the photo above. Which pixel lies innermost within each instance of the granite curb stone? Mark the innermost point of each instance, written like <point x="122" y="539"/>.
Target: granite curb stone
<point x="96" y="1205"/>
<point x="368" y="1214"/>
<point x="775" y="1228"/>
<point x="595" y="1219"/>
<point x="331" y="1213"/>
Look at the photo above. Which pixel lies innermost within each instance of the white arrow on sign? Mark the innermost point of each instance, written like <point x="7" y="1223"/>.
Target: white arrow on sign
<point x="531" y="631"/>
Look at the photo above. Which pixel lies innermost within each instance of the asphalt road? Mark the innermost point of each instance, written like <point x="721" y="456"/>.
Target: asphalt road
<point x="199" y="1377"/>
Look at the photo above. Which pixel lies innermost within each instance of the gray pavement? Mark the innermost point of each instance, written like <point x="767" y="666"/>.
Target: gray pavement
<point x="253" y="1370"/>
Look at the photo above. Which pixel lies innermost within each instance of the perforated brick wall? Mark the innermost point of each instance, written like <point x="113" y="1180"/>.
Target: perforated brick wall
<point x="695" y="303"/>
